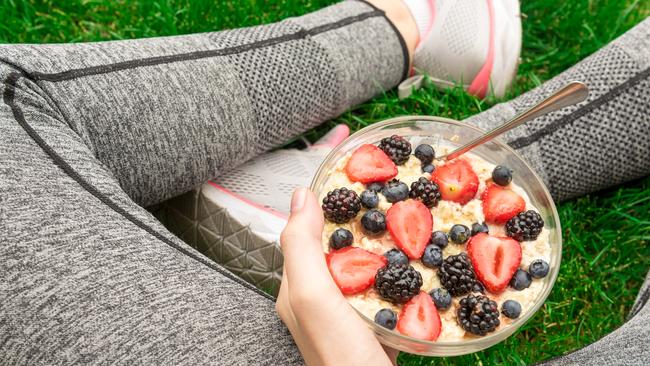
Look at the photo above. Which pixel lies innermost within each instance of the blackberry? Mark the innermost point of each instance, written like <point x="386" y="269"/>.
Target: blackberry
<point x="502" y="175"/>
<point x="457" y="275"/>
<point x="341" y="238"/>
<point x="439" y="238"/>
<point x="426" y="191"/>
<point x="478" y="314"/>
<point x="369" y="199"/>
<point x="397" y="148"/>
<point x="341" y="205"/>
<point x="395" y="191"/>
<point x="425" y="153"/>
<point x="441" y="298"/>
<point x="459" y="234"/>
<point x="398" y="282"/>
<point x="479" y="228"/>
<point x="396" y="256"/>
<point x="525" y="226"/>
<point x="373" y="222"/>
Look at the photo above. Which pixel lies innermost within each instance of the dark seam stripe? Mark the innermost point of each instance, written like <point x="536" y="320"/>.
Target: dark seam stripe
<point x="9" y="99"/>
<point x="580" y="112"/>
<point x="405" y="51"/>
<point x="160" y="60"/>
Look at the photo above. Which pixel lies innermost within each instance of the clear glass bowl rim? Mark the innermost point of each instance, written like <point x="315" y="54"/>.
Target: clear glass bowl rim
<point x="503" y="333"/>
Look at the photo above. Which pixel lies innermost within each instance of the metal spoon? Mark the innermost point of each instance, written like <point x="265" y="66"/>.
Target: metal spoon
<point x="572" y="93"/>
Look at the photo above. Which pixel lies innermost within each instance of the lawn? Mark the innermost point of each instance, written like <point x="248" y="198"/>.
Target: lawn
<point x="606" y="234"/>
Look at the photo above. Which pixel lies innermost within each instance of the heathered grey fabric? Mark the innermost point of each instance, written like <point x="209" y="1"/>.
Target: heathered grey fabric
<point x="574" y="149"/>
<point x="89" y="132"/>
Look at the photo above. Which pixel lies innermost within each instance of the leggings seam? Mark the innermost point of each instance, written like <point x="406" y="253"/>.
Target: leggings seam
<point x="11" y="83"/>
<point x="197" y="55"/>
<point x="580" y="112"/>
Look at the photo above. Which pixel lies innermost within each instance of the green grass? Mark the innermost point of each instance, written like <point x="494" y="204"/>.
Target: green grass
<point x="606" y="252"/>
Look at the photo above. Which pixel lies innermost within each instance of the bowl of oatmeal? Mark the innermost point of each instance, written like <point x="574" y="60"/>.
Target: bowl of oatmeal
<point x="440" y="258"/>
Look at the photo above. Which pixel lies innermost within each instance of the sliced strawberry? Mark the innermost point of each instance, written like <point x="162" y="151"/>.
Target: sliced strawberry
<point x="457" y="181"/>
<point x="420" y="319"/>
<point x="500" y="204"/>
<point x="369" y="164"/>
<point x="495" y="259"/>
<point x="354" y="269"/>
<point x="410" y="224"/>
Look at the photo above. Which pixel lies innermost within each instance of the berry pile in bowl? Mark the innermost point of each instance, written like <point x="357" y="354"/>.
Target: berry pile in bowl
<point x="439" y="257"/>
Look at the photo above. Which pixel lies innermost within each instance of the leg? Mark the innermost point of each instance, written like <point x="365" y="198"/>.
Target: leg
<point x="88" y="275"/>
<point x="193" y="106"/>
<point x="601" y="142"/>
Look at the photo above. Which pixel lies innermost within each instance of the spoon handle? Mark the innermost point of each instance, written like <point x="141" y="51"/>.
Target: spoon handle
<point x="572" y="93"/>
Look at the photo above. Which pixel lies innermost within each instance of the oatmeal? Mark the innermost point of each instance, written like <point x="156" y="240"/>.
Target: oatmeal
<point x="493" y="232"/>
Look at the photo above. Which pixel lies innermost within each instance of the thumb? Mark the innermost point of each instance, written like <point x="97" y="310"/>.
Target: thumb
<point x="304" y="259"/>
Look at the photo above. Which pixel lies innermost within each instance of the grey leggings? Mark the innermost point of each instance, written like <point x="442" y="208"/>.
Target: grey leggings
<point x="91" y="133"/>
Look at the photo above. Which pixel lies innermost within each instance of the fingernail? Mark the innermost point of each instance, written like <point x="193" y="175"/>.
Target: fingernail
<point x="298" y="199"/>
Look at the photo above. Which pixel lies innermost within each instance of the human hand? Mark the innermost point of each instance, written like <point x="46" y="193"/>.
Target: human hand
<point x="323" y="324"/>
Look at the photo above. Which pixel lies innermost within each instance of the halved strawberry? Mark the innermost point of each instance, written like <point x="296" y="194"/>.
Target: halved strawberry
<point x="369" y="164"/>
<point x="495" y="259"/>
<point x="353" y="269"/>
<point x="500" y="204"/>
<point x="410" y="224"/>
<point x="457" y="181"/>
<point x="420" y="319"/>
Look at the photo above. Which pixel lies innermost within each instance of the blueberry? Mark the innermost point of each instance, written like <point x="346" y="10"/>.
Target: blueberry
<point x="373" y="222"/>
<point x="386" y="318"/>
<point x="396" y="256"/>
<point x="441" y="298"/>
<point x="521" y="280"/>
<point x="511" y="309"/>
<point x="369" y="199"/>
<point x="502" y="175"/>
<point x="476" y="227"/>
<point x="459" y="234"/>
<point x="432" y="256"/>
<point x="429" y="168"/>
<point x="439" y="238"/>
<point x="341" y="238"/>
<point x="395" y="191"/>
<point x="425" y="153"/>
<point x="538" y="268"/>
<point x="375" y="186"/>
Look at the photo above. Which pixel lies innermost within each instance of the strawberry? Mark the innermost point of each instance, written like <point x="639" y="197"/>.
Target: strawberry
<point x="457" y="181"/>
<point x="369" y="164"/>
<point x="495" y="259"/>
<point x="420" y="319"/>
<point x="410" y="224"/>
<point x="500" y="204"/>
<point x="353" y="269"/>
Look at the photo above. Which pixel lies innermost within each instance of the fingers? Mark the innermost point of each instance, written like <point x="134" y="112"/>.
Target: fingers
<point x="304" y="260"/>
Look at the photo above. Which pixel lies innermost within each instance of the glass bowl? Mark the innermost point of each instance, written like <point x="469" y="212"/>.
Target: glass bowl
<point x="438" y="131"/>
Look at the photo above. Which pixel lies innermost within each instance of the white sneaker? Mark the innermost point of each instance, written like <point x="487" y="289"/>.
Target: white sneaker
<point x="475" y="43"/>
<point x="236" y="220"/>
